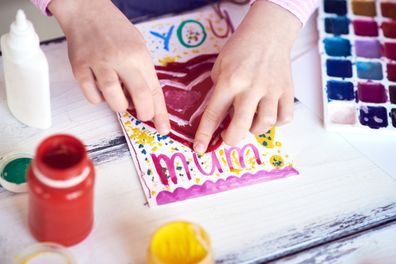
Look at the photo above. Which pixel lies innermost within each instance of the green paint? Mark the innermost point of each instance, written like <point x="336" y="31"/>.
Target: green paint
<point x="15" y="170"/>
<point x="180" y="33"/>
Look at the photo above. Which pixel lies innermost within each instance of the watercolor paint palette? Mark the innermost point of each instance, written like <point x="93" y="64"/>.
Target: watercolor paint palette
<point x="358" y="51"/>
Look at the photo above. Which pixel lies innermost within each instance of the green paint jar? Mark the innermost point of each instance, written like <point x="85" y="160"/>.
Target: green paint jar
<point x="13" y="168"/>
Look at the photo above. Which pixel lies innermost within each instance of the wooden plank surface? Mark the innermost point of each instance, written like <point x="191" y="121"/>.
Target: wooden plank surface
<point x="339" y="192"/>
<point x="377" y="245"/>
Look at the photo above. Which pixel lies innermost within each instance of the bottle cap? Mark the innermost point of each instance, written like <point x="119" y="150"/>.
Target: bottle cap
<point x="45" y="253"/>
<point x="22" y="35"/>
<point x="21" y="21"/>
<point x="13" y="168"/>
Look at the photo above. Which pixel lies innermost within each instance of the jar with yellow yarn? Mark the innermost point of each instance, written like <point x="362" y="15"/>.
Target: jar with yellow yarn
<point x="180" y="243"/>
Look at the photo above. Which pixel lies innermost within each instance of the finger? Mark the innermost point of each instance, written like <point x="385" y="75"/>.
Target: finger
<point x="215" y="112"/>
<point x="285" y="109"/>
<point x="244" y="109"/>
<point x="216" y="69"/>
<point x="161" y="118"/>
<point x="84" y="77"/>
<point x="266" y="115"/>
<point x="141" y="95"/>
<point x="109" y="84"/>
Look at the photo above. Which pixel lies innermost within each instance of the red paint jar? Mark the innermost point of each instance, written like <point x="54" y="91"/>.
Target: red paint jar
<point x="61" y="180"/>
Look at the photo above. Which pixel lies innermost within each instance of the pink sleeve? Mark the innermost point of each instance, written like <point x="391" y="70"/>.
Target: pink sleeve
<point x="302" y="9"/>
<point x="42" y="5"/>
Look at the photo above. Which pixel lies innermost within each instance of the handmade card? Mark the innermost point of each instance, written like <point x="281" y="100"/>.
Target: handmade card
<point x="184" y="49"/>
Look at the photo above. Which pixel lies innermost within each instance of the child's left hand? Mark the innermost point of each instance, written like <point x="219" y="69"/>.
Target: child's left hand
<point x="252" y="75"/>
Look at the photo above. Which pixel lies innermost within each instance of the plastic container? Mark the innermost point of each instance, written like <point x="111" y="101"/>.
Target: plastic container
<point x="26" y="74"/>
<point x="61" y="188"/>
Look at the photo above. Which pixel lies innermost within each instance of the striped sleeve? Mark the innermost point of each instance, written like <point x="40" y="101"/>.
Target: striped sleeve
<point x="302" y="9"/>
<point x="42" y="5"/>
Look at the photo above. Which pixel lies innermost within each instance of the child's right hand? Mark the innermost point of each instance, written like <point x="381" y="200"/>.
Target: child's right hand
<point x="108" y="53"/>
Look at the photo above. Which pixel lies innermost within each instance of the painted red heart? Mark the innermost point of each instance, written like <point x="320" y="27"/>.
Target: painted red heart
<point x="187" y="87"/>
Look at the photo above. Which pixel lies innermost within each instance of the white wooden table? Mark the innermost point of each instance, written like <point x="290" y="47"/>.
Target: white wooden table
<point x="341" y="209"/>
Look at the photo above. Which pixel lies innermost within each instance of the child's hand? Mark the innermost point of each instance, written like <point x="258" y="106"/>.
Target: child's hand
<point x="252" y="75"/>
<point x="109" y="59"/>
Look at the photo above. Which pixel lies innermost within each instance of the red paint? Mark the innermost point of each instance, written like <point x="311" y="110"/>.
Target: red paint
<point x="391" y="71"/>
<point x="370" y="92"/>
<point x="390" y="50"/>
<point x="388" y="9"/>
<point x="389" y="29"/>
<point x="184" y="104"/>
<point x="365" y="28"/>
<point x="61" y="215"/>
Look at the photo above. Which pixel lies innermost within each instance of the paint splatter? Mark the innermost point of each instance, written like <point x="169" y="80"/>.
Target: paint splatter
<point x="168" y="59"/>
<point x="267" y="139"/>
<point x="277" y="161"/>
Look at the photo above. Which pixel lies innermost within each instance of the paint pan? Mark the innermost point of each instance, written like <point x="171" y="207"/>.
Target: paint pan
<point x="365" y="28"/>
<point x="13" y="169"/>
<point x="340" y="90"/>
<point x="180" y="242"/>
<point x="337" y="25"/>
<point x="388" y="9"/>
<point x="45" y="253"/>
<point x="389" y="29"/>
<point x="373" y="116"/>
<point x="368" y="48"/>
<point x="369" y="70"/>
<point x="390" y="50"/>
<point x="393" y="116"/>
<point x="338" y="7"/>
<point x="338" y="47"/>
<point x="391" y="71"/>
<point x="392" y="94"/>
<point x="371" y="92"/>
<point x="364" y="8"/>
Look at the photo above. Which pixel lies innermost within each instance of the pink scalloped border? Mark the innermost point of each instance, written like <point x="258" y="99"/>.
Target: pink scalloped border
<point x="232" y="182"/>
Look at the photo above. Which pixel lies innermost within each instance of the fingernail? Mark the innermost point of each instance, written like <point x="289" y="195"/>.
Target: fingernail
<point x="163" y="130"/>
<point x="199" y="148"/>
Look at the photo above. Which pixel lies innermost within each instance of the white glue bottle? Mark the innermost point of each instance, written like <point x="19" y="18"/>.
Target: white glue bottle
<point x="26" y="74"/>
